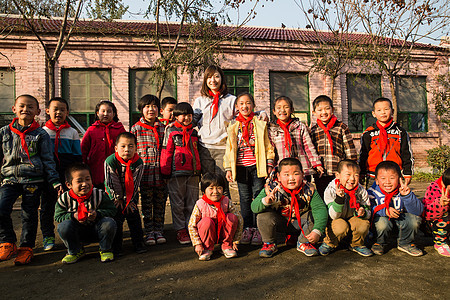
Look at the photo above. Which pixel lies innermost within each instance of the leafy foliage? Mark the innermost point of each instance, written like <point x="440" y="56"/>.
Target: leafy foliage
<point x="439" y="158"/>
<point x="441" y="100"/>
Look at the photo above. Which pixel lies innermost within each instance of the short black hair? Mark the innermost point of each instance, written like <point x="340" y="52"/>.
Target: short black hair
<point x="290" y="161"/>
<point x="126" y="135"/>
<point x="76" y="166"/>
<point x="110" y="104"/>
<point x="183" y="108"/>
<point x="349" y="164"/>
<point x="58" y="99"/>
<point x="388" y="165"/>
<point x="250" y="96"/>
<point x="212" y="179"/>
<point x="27" y="96"/>
<point x="446" y="177"/>
<point x="322" y="98"/>
<point x="168" y="100"/>
<point x="382" y="99"/>
<point x="147" y="100"/>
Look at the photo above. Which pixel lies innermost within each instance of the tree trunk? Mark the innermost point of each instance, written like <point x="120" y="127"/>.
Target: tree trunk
<point x="160" y="89"/>
<point x="394" y="96"/>
<point x="51" y="78"/>
<point x="332" y="92"/>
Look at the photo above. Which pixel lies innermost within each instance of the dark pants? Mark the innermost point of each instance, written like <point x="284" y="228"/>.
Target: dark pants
<point x="135" y="226"/>
<point x="249" y="185"/>
<point x="47" y="212"/>
<point x="322" y="183"/>
<point x="30" y="203"/>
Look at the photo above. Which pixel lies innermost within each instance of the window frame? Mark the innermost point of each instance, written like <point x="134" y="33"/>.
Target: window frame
<point x="234" y="73"/>
<point x="10" y="113"/>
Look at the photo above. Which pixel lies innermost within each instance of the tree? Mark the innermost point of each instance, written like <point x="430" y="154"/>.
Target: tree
<point x="441" y="100"/>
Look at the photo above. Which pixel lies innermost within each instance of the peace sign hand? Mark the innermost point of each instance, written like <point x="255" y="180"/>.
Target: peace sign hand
<point x="340" y="191"/>
<point x="444" y="201"/>
<point x="404" y="189"/>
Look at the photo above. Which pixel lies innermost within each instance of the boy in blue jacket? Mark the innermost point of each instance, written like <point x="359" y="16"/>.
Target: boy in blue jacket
<point x="393" y="202"/>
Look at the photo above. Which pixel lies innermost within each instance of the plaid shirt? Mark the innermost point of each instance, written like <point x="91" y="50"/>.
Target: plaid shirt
<point x="343" y="147"/>
<point x="149" y="152"/>
<point x="302" y="146"/>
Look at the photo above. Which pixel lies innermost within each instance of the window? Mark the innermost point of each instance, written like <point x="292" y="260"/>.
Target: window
<point x="362" y="90"/>
<point x="140" y="85"/>
<point x="239" y="82"/>
<point x="7" y="95"/>
<point x="84" y="88"/>
<point x="412" y="103"/>
<point x="295" y="86"/>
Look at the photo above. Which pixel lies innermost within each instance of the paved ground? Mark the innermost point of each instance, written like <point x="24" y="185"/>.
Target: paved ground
<point x="173" y="271"/>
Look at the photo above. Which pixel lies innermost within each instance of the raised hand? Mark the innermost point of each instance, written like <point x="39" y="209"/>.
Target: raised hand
<point x="320" y="170"/>
<point x="444" y="201"/>
<point x="340" y="191"/>
<point x="404" y="189"/>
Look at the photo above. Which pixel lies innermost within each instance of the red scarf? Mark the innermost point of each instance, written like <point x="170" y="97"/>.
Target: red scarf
<point x="82" y="209"/>
<point x="221" y="218"/>
<point x="294" y="205"/>
<point x="110" y="145"/>
<point x="129" y="183"/>
<point x="164" y="120"/>
<point x="215" y="104"/>
<point x="34" y="125"/>
<point x="245" y="121"/>
<point x="383" y="139"/>
<point x="327" y="130"/>
<point x="50" y="125"/>
<point x="351" y="193"/>
<point x="287" y="135"/>
<point x="186" y="134"/>
<point x="441" y="185"/>
<point x="387" y="201"/>
<point x="152" y="128"/>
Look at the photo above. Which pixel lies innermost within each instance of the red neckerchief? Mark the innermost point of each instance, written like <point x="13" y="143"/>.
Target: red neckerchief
<point x="221" y="218"/>
<point x="327" y="128"/>
<point x="351" y="193"/>
<point x="34" y="125"/>
<point x="50" y="125"/>
<point x="82" y="209"/>
<point x="152" y="128"/>
<point x="387" y="201"/>
<point x="129" y="183"/>
<point x="383" y="135"/>
<point x="167" y="121"/>
<point x="215" y="104"/>
<point x="245" y="121"/>
<point x="108" y="136"/>
<point x="441" y="185"/>
<point x="294" y="205"/>
<point x="186" y="134"/>
<point x="287" y="135"/>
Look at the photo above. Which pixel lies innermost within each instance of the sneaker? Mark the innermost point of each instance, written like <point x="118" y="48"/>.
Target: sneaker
<point x="256" y="238"/>
<point x="160" y="239"/>
<point x="24" y="256"/>
<point x="268" y="250"/>
<point x="291" y="239"/>
<point x="229" y="253"/>
<point x="247" y="236"/>
<point x="150" y="239"/>
<point x="362" y="250"/>
<point x="7" y="250"/>
<point x="325" y="249"/>
<point x="49" y="243"/>
<point x="106" y="256"/>
<point x="442" y="249"/>
<point x="411" y="249"/>
<point x="206" y="255"/>
<point x="307" y="248"/>
<point x="183" y="237"/>
<point x="378" y="249"/>
<point x="71" y="259"/>
<point x="140" y="248"/>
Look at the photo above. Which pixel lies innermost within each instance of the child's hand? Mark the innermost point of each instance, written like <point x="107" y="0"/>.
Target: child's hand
<point x="340" y="192"/>
<point x="270" y="196"/>
<point x="313" y="237"/>
<point x="91" y="216"/>
<point x="59" y="190"/>
<point x="131" y="208"/>
<point x="404" y="189"/>
<point x="118" y="203"/>
<point x="236" y="246"/>
<point x="228" y="176"/>
<point x="75" y="215"/>
<point x="320" y="170"/>
<point x="444" y="201"/>
<point x="361" y="211"/>
<point x="263" y="116"/>
<point x="392" y="213"/>
<point x="198" y="249"/>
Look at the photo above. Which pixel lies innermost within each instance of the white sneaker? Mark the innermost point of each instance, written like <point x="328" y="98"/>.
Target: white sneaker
<point x="206" y="255"/>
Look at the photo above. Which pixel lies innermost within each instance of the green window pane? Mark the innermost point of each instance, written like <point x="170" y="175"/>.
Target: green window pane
<point x="362" y="90"/>
<point x="239" y="81"/>
<point x="411" y="93"/>
<point x="242" y="80"/>
<point x="293" y="85"/>
<point x="7" y="90"/>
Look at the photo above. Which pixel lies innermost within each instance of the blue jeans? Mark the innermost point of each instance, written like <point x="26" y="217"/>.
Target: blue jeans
<point x="30" y="203"/>
<point x="73" y="234"/>
<point x="249" y="186"/>
<point x="408" y="225"/>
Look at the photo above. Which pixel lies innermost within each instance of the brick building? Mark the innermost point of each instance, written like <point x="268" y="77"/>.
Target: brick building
<point x="113" y="60"/>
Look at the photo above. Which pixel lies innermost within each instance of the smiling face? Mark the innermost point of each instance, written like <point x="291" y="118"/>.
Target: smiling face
<point x="25" y="109"/>
<point x="282" y="110"/>
<point x="214" y="82"/>
<point x="348" y="177"/>
<point x="150" y="112"/>
<point x="167" y="112"/>
<point x="184" y="119"/>
<point x="245" y="105"/>
<point x="126" y="148"/>
<point x="214" y="192"/>
<point x="58" y="112"/>
<point x="382" y="111"/>
<point x="81" y="182"/>
<point x="388" y="180"/>
<point x="105" y="114"/>
<point x="291" y="177"/>
<point x="323" y="111"/>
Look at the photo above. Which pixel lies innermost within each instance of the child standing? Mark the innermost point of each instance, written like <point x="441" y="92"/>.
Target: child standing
<point x="385" y="140"/>
<point x="393" y="202"/>
<point x="123" y="173"/>
<point x="67" y="149"/>
<point x="349" y="209"/>
<point x="84" y="214"/>
<point x="149" y="132"/>
<point x="27" y="159"/>
<point x="214" y="220"/>
<point x="181" y="162"/>
<point x="98" y="141"/>
<point x="291" y="138"/>
<point x="436" y="203"/>
<point x="332" y="139"/>
<point x="167" y="106"/>
<point x="290" y="205"/>
<point x="248" y="159"/>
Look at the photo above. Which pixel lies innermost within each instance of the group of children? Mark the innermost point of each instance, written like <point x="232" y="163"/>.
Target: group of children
<point x="304" y="183"/>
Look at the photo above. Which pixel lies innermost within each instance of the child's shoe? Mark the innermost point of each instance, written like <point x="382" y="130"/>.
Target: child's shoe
<point x="325" y="249"/>
<point x="229" y="253"/>
<point x="49" y="243"/>
<point x="268" y="250"/>
<point x="140" y="248"/>
<point x="106" y="256"/>
<point x="362" y="250"/>
<point x="442" y="249"/>
<point x="247" y="236"/>
<point x="206" y="255"/>
<point x="24" y="256"/>
<point x="150" y="239"/>
<point x="378" y="249"/>
<point x="160" y="239"/>
<point x="411" y="249"/>
<point x="256" y="238"/>
<point x="307" y="248"/>
<point x="7" y="250"/>
<point x="183" y="236"/>
<point x="71" y="259"/>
